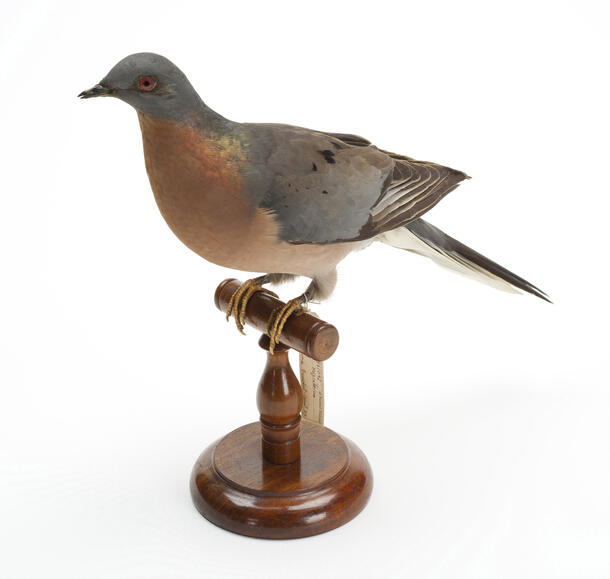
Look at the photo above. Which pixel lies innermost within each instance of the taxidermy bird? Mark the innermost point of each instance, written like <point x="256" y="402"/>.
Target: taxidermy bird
<point x="280" y="200"/>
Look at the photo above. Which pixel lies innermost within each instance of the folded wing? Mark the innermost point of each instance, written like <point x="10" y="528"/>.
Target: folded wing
<point x="335" y="187"/>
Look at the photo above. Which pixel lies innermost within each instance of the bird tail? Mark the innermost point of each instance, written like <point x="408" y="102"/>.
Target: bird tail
<point x="422" y="238"/>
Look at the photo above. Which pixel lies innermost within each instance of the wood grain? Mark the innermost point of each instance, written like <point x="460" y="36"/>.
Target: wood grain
<point x="235" y="488"/>
<point x="279" y="399"/>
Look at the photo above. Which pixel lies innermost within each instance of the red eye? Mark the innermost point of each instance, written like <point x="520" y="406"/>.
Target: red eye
<point x="147" y="83"/>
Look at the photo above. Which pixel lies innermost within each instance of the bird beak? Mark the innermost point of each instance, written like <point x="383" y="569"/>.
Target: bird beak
<point x="97" y="90"/>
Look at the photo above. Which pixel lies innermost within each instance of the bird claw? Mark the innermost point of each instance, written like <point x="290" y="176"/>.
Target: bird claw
<point x="239" y="301"/>
<point x="278" y="319"/>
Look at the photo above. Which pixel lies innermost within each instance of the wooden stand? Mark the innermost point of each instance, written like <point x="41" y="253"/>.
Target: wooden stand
<point x="281" y="478"/>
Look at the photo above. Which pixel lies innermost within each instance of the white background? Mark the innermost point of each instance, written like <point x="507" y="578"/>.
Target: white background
<point x="484" y="414"/>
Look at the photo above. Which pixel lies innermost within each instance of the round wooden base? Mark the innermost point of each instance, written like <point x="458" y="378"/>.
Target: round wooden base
<point x="235" y="488"/>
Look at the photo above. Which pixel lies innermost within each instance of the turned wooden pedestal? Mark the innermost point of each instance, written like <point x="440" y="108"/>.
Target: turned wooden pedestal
<point x="281" y="478"/>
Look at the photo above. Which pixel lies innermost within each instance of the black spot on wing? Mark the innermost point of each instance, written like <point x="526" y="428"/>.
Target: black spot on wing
<point x="314" y="166"/>
<point x="329" y="156"/>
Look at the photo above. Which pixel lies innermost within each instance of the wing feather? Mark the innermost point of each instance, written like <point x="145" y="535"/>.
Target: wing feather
<point x="336" y="187"/>
<point x="415" y="187"/>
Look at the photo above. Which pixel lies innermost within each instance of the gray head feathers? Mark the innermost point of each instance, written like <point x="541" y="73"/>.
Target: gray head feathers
<point x="151" y="84"/>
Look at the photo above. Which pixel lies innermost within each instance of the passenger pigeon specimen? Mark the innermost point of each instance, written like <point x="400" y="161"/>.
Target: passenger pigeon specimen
<point x="281" y="200"/>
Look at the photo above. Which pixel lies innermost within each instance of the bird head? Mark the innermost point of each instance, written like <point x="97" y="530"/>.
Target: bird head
<point x="151" y="84"/>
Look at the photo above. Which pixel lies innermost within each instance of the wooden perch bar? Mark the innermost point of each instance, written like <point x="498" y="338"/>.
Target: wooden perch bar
<point x="303" y="332"/>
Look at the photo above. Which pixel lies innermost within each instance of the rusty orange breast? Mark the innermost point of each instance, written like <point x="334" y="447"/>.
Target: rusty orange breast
<point x="197" y="183"/>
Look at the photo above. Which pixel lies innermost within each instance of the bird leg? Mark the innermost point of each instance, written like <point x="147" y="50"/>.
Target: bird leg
<point x="239" y="300"/>
<point x="280" y="316"/>
<point x="320" y="288"/>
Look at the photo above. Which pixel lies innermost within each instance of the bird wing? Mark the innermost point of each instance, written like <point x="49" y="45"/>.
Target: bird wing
<point x="332" y="187"/>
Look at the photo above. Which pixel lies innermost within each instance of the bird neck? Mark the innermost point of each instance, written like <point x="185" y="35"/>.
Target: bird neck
<point x="206" y="120"/>
<point x="204" y="141"/>
<point x="185" y="108"/>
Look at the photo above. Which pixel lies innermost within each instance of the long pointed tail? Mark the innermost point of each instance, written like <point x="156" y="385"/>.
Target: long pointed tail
<point x="421" y="237"/>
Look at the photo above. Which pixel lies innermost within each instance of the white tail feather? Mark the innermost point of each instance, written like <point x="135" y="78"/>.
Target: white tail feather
<point x="402" y="238"/>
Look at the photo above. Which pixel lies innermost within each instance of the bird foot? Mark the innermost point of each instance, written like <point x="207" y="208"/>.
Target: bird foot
<point x="279" y="317"/>
<point x="239" y="300"/>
